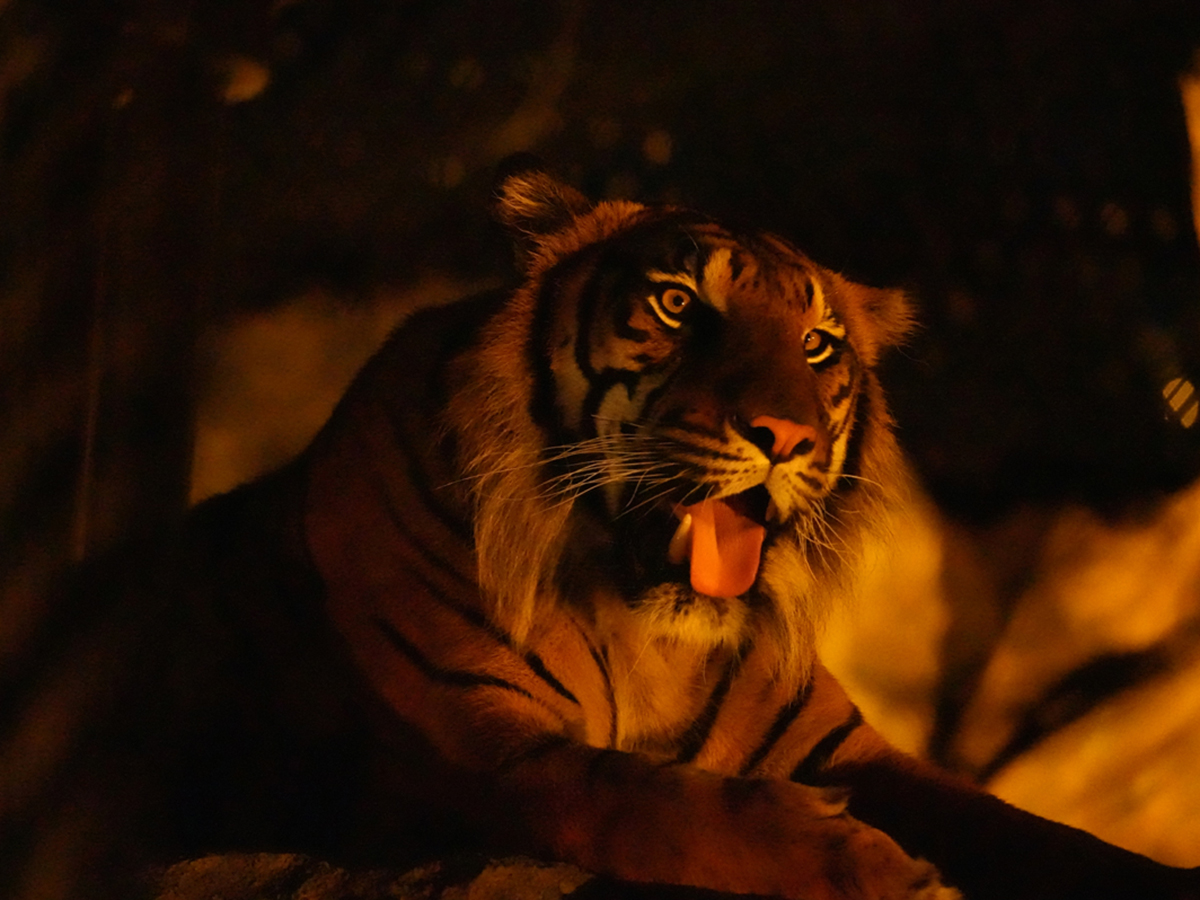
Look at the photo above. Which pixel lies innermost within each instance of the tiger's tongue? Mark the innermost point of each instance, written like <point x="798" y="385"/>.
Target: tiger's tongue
<point x="725" y="549"/>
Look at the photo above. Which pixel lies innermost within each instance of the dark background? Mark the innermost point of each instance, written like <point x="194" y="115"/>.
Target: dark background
<point x="1022" y="167"/>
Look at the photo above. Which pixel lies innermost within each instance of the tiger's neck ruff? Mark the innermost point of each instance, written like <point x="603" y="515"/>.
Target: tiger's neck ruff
<point x="699" y="458"/>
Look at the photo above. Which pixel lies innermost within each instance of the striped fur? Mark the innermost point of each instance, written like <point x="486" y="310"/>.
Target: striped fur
<point x="467" y="604"/>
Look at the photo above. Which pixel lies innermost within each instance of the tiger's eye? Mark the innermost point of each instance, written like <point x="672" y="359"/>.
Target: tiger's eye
<point x="674" y="301"/>
<point x="819" y="346"/>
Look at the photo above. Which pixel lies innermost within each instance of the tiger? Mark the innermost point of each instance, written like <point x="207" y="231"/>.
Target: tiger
<point x="549" y="582"/>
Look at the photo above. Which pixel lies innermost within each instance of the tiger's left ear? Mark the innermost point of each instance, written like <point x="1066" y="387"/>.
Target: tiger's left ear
<point x="533" y="205"/>
<point x="891" y="313"/>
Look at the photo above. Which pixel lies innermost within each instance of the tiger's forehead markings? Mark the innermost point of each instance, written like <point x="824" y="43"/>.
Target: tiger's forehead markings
<point x="826" y="317"/>
<point x="715" y="282"/>
<point x="817" y="301"/>
<point x="718" y="278"/>
<point x="794" y="276"/>
<point x="700" y="289"/>
<point x="660" y="277"/>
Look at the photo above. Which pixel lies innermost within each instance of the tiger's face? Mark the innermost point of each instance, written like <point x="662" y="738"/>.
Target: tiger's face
<point x="709" y="416"/>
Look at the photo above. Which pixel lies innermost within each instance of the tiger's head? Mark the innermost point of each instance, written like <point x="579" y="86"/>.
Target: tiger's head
<point x="676" y="423"/>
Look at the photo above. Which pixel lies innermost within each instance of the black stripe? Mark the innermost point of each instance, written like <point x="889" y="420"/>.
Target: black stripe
<point x="439" y="596"/>
<point x="736" y="264"/>
<point x="543" y="408"/>
<point x="535" y="663"/>
<point x="744" y="795"/>
<point x="832" y="359"/>
<point x="601" y="660"/>
<point x="539" y="669"/>
<point x="543" y="402"/>
<point x="677" y="423"/>
<point x="707" y="452"/>
<point x="586" y="304"/>
<point x="850" y="418"/>
<point x="809" y="769"/>
<point x="672" y="369"/>
<point x="472" y="616"/>
<point x="483" y="623"/>
<point x="814" y="483"/>
<point x="592" y="313"/>
<point x="599" y="386"/>
<point x="421" y="547"/>
<point x="843" y="423"/>
<point x="410" y="432"/>
<point x="843" y="392"/>
<point x="451" y="677"/>
<point x="703" y="253"/>
<point x="853" y="461"/>
<point x="697" y="733"/>
<point x="783" y="721"/>
<point x="477" y="619"/>
<point x="416" y="478"/>
<point x="625" y="331"/>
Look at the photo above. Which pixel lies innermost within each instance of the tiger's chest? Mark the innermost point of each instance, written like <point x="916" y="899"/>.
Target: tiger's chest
<point x="660" y="687"/>
<point x="657" y="694"/>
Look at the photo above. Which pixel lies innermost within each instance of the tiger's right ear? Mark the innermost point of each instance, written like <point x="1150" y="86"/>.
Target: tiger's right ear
<point x="533" y="205"/>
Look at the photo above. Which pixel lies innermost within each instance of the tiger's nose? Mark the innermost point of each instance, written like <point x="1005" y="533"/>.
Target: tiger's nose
<point x="781" y="439"/>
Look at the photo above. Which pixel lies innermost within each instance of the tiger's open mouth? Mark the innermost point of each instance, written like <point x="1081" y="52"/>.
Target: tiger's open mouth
<point x="722" y="541"/>
<point x="715" y="545"/>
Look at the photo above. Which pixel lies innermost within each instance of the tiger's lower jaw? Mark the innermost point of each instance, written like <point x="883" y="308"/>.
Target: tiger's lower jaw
<point x="674" y="610"/>
<point x="715" y="545"/>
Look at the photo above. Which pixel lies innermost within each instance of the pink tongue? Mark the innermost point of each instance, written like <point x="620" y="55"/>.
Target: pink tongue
<point x="725" y="549"/>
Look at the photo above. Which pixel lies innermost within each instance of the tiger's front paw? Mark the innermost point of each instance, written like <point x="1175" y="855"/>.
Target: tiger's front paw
<point x="878" y="869"/>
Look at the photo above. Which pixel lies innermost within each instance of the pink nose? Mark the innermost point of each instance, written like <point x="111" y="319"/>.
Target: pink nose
<point x="790" y="437"/>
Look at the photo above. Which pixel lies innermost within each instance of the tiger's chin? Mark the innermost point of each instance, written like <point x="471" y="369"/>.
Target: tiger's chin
<point x="675" y="610"/>
<point x="660" y="586"/>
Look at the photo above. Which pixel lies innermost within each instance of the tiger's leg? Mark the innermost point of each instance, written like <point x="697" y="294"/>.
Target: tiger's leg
<point x="624" y="815"/>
